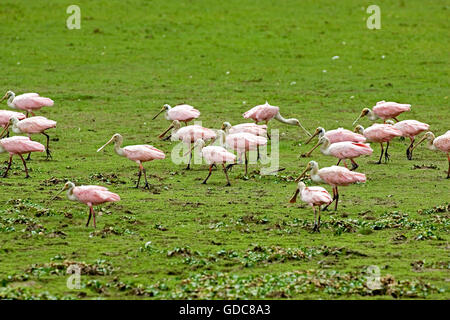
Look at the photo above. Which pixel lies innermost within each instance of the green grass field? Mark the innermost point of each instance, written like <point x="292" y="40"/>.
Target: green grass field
<point x="211" y="241"/>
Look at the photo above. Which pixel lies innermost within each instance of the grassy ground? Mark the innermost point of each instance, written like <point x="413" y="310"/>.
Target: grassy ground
<point x="211" y="241"/>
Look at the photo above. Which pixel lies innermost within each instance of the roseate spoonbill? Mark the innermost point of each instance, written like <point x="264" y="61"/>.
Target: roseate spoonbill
<point x="410" y="129"/>
<point x="6" y="115"/>
<point x="213" y="156"/>
<point x="242" y="142"/>
<point x="384" y="110"/>
<point x="28" y="102"/>
<point x="89" y="195"/>
<point x="182" y="112"/>
<point x="137" y="153"/>
<point x="314" y="196"/>
<point x="266" y="112"/>
<point x="335" y="176"/>
<point x="342" y="150"/>
<point x="188" y="135"/>
<point x="337" y="135"/>
<point x="441" y="143"/>
<point x="32" y="125"/>
<point x="19" y="145"/>
<point x="253" y="128"/>
<point x="380" y="133"/>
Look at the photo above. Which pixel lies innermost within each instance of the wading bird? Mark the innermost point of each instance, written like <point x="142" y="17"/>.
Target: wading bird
<point x="182" y="112"/>
<point x="384" y="110"/>
<point x="380" y="133"/>
<point x="256" y="129"/>
<point x="342" y="150"/>
<point x="335" y="176"/>
<point x="137" y="153"/>
<point x="32" y="125"/>
<point x="314" y="196"/>
<point x="214" y="155"/>
<point x="266" y="112"/>
<point x="242" y="143"/>
<point x="89" y="195"/>
<point x="410" y="129"/>
<point x="337" y="135"/>
<point x="441" y="143"/>
<point x="188" y="135"/>
<point x="6" y="115"/>
<point x="19" y="145"/>
<point x="28" y="102"/>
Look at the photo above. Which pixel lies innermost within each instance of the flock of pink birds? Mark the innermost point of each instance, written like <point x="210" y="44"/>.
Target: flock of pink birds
<point x="242" y="138"/>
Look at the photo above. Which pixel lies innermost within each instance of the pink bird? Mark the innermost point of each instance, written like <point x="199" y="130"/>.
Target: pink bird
<point x="314" y="196"/>
<point x="410" y="129"/>
<point x="29" y="126"/>
<point x="19" y="145"/>
<point x="266" y="112"/>
<point x="335" y="176"/>
<point x="28" y="102"/>
<point x="243" y="142"/>
<point x="342" y="150"/>
<point x="441" y="143"/>
<point x="213" y="156"/>
<point x="380" y="133"/>
<point x="182" y="112"/>
<point x="6" y="115"/>
<point x="89" y="195"/>
<point x="338" y="135"/>
<point x="188" y="135"/>
<point x="137" y="153"/>
<point x="256" y="129"/>
<point x="384" y="110"/>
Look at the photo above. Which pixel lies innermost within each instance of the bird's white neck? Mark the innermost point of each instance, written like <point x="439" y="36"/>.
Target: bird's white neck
<point x="1" y="149"/>
<point x="10" y="101"/>
<point x="15" y="127"/>
<point x="70" y="194"/>
<point x="372" y="116"/>
<point x="324" y="148"/>
<point x="118" y="149"/>
<point x="430" y="144"/>
<point x="280" y="118"/>
<point x="314" y="173"/>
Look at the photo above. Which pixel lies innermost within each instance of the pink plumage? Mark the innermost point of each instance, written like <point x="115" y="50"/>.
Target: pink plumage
<point x="340" y="176"/>
<point x="411" y="128"/>
<point x="340" y="135"/>
<point x="243" y="141"/>
<point x="348" y="150"/>
<point x="94" y="195"/>
<point x="217" y="155"/>
<point x="264" y="112"/>
<point x="315" y="196"/>
<point x="20" y="145"/>
<point x="6" y="115"/>
<point x="31" y="102"/>
<point x="386" y="110"/>
<point x="143" y="153"/>
<point x="381" y="133"/>
<point x="192" y="133"/>
<point x="257" y="130"/>
<point x="183" y="112"/>
<point x="443" y="143"/>
<point x="34" y="125"/>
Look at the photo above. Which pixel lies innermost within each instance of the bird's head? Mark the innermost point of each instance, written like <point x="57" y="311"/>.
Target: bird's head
<point x="8" y="94"/>
<point x="359" y="129"/>
<point x="116" y="138"/>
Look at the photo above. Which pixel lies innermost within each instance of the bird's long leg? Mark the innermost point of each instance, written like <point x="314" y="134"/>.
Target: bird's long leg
<point x="395" y="118"/>
<point x="258" y="157"/>
<point x="448" y="171"/>
<point x="9" y="166"/>
<point x="409" y="151"/>
<point x="189" y="163"/>
<point x="381" y="155"/>
<point x="268" y="135"/>
<point x="246" y="164"/>
<point x="354" y="165"/>
<point x="339" y="162"/>
<point x="315" y="218"/>
<point x="25" y="166"/>
<point x="345" y="163"/>
<point x="334" y="197"/>
<point x="318" y="220"/>
<point x="139" y="175"/>
<point x="93" y="218"/>
<point x="209" y="174"/>
<point x="32" y="113"/>
<point x="7" y="134"/>
<point x="226" y="175"/>
<point x="90" y="215"/>
<point x="26" y="116"/>
<point x="386" y="154"/>
<point x="47" y="150"/>
<point x="29" y="154"/>
<point x="146" y="186"/>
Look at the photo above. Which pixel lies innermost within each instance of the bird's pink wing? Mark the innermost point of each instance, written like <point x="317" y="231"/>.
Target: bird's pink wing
<point x="244" y="141"/>
<point x="387" y="110"/>
<point x="183" y="112"/>
<point x="20" y="145"/>
<point x="6" y="115"/>
<point x="348" y="150"/>
<point x="258" y="130"/>
<point x="143" y="153"/>
<point x="216" y="154"/>
<point x="36" y="124"/>
<point x="95" y="194"/>
<point x="341" y="176"/>
<point x="264" y="112"/>
<point x="340" y="135"/>
<point x="443" y="142"/>
<point x="410" y="128"/>
<point x="316" y="195"/>
<point x="32" y="102"/>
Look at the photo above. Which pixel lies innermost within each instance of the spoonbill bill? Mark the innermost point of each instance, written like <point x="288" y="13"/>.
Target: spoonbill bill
<point x="137" y="153"/>
<point x="337" y="135"/>
<point x="182" y="112"/>
<point x="188" y="135"/>
<point x="28" y="102"/>
<point x="89" y="195"/>
<point x="410" y="129"/>
<point x="441" y="143"/>
<point x="314" y="196"/>
<point x="384" y="110"/>
<point x="380" y="133"/>
<point x="335" y="176"/>
<point x="214" y="155"/>
<point x="19" y="145"/>
<point x="266" y="112"/>
<point x="242" y="143"/>
<point x="32" y="125"/>
<point x="342" y="150"/>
